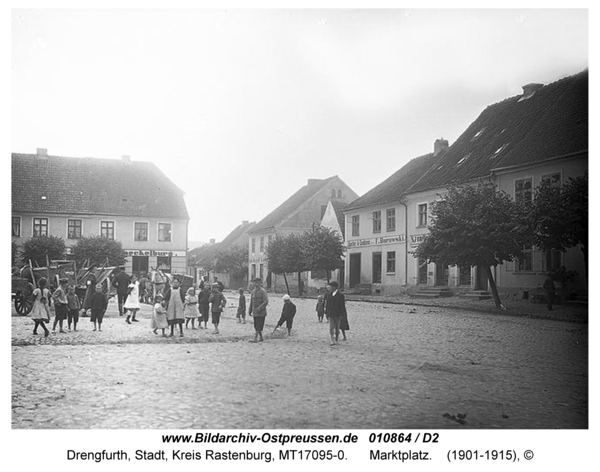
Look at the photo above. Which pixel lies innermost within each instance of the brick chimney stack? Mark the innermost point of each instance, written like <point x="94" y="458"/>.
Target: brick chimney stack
<point x="439" y="146"/>
<point x="42" y="153"/>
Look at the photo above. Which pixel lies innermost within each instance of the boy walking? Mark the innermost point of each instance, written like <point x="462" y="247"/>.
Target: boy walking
<point x="258" y="309"/>
<point x="61" y="304"/>
<point x="287" y="314"/>
<point x="74" y="305"/>
<point x="241" y="311"/>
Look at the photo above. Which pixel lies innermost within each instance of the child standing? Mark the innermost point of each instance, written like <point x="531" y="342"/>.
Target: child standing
<point x="287" y="314"/>
<point x="132" y="304"/>
<point x="99" y="303"/>
<point x="217" y="303"/>
<point x="190" y="309"/>
<point x="204" y="304"/>
<point x="320" y="308"/>
<point x="241" y="311"/>
<point x="159" y="315"/>
<point x="61" y="305"/>
<point x="174" y="299"/>
<point x="74" y="305"/>
<point x="40" y="312"/>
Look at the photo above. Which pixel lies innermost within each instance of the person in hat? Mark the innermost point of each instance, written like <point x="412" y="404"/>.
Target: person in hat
<point x="287" y="314"/>
<point x="121" y="282"/>
<point x="258" y="309"/>
<point x="61" y="304"/>
<point x="159" y="316"/>
<point x="217" y="303"/>
<point x="241" y="311"/>
<point x="335" y="310"/>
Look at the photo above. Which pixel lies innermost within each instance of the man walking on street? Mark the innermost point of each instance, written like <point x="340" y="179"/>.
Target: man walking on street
<point x="335" y="309"/>
<point x="121" y="283"/>
<point x="258" y="309"/>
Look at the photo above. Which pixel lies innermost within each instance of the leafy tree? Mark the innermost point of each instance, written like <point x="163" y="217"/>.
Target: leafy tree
<point x="97" y="250"/>
<point x="233" y="260"/>
<point x="14" y="253"/>
<point x="559" y="216"/>
<point x="322" y="249"/>
<point x="285" y="255"/>
<point x="475" y="226"/>
<point x="39" y="249"/>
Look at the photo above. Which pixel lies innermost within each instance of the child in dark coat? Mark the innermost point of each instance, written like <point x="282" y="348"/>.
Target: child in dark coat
<point x="74" y="307"/>
<point x="287" y="314"/>
<point x="241" y="311"/>
<point x="98" y="303"/>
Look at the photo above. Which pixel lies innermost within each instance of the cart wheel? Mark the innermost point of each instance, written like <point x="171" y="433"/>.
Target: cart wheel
<point x="23" y="304"/>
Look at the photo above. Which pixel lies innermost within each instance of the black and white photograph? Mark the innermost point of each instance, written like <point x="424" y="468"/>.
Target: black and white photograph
<point x="316" y="236"/>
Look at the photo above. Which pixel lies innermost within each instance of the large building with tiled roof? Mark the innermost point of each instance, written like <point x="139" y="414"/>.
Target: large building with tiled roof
<point x="295" y="215"/>
<point x="130" y="201"/>
<point x="516" y="144"/>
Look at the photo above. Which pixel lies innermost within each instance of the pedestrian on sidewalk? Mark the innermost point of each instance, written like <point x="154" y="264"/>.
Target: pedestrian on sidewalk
<point x="190" y="308"/>
<point x="204" y="305"/>
<point x="258" y="309"/>
<point x="217" y="302"/>
<point x="335" y="309"/>
<point x="287" y="314"/>
<point x="550" y="289"/>
<point x="74" y="305"/>
<point x="132" y="304"/>
<point x="241" y="310"/>
<point x="61" y="304"/>
<point x="40" y="313"/>
<point x="174" y="299"/>
<point x="121" y="282"/>
<point x="159" y="315"/>
<point x="99" y="304"/>
<point x="320" y="308"/>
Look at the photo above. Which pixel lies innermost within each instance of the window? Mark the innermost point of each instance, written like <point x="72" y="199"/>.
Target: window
<point x="262" y="244"/>
<point x="390" y="216"/>
<point x="164" y="232"/>
<point x="376" y="267"/>
<point x="525" y="264"/>
<point x="340" y="193"/>
<point x="40" y="227"/>
<point x="391" y="262"/>
<point x="523" y="191"/>
<point x="253" y="271"/>
<point x="140" y="232"/>
<point x="422" y="214"/>
<point x="107" y="229"/>
<point x="261" y="270"/>
<point x="16" y="226"/>
<point x="74" y="229"/>
<point x="377" y="222"/>
<point x="552" y="260"/>
<point x="554" y="180"/>
<point x="253" y="246"/>
<point x="332" y="193"/>
<point x="422" y="277"/>
<point x="164" y="263"/>
<point x="356" y="225"/>
<point x="139" y="264"/>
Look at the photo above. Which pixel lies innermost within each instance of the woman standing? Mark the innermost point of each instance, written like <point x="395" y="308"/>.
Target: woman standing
<point x="132" y="304"/>
<point x="174" y="299"/>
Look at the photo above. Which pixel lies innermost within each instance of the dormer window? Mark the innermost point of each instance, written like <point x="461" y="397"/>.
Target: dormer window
<point x="463" y="159"/>
<point x="479" y="133"/>
<point x="498" y="151"/>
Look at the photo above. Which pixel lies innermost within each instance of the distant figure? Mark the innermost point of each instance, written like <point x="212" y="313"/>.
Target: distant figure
<point x="320" y="308"/>
<point x="121" y="283"/>
<point x="143" y="288"/>
<point x="74" y="305"/>
<point x="89" y="291"/>
<point x="159" y="316"/>
<point x="132" y="304"/>
<point x="287" y="314"/>
<point x="61" y="305"/>
<point x="174" y="299"/>
<point x="241" y="311"/>
<point x="190" y="308"/>
<point x="219" y="283"/>
<point x="550" y="289"/>
<point x="40" y="313"/>
<point x="335" y="309"/>
<point x="258" y="309"/>
<point x="217" y="303"/>
<point x="99" y="304"/>
<point x="204" y="305"/>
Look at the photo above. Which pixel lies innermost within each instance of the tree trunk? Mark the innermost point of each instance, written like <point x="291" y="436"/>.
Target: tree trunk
<point x="488" y="271"/>
<point x="287" y="287"/>
<point x="585" y="261"/>
<point x="299" y="284"/>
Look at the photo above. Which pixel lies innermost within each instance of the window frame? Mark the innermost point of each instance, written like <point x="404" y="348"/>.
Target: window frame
<point x="390" y="221"/>
<point x="18" y="227"/>
<point x="547" y="177"/>
<point x="355" y="225"/>
<point x="158" y="232"/>
<point x="112" y="222"/>
<point x="376" y="221"/>
<point x="135" y="231"/>
<point x="516" y="193"/>
<point x="390" y="257"/>
<point x="422" y="216"/>
<point x="40" y="224"/>
<point x="519" y="261"/>
<point x="69" y="220"/>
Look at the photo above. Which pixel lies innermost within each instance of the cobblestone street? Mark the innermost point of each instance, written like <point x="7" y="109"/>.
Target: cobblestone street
<point x="403" y="366"/>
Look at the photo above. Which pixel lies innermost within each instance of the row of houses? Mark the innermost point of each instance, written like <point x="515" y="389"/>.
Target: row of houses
<point x="516" y="144"/>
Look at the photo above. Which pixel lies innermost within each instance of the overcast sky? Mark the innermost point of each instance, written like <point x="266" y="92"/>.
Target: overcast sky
<point x="240" y="107"/>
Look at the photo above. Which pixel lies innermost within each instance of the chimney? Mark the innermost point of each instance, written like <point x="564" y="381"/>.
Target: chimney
<point x="530" y="89"/>
<point x="312" y="181"/>
<point x="212" y="241"/>
<point x="126" y="158"/>
<point x="439" y="146"/>
<point x="42" y="153"/>
<point x="245" y="222"/>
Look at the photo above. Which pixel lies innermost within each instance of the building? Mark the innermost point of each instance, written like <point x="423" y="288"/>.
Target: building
<point x="132" y="202"/>
<point x="203" y="257"/>
<point x="297" y="214"/>
<point x="516" y="144"/>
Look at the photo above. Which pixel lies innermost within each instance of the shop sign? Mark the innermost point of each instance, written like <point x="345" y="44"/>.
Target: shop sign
<point x="153" y="252"/>
<point x="376" y="241"/>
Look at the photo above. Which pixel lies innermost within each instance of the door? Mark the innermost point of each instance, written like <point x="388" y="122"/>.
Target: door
<point x="481" y="281"/>
<point x="441" y="275"/>
<point x="354" y="269"/>
<point x="376" y="268"/>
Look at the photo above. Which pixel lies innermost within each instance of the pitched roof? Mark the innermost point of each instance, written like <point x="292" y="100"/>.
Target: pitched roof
<point x="398" y="183"/>
<point x="525" y="129"/>
<point x="238" y="237"/>
<point x="339" y="208"/>
<point x="90" y="186"/>
<point x="278" y="215"/>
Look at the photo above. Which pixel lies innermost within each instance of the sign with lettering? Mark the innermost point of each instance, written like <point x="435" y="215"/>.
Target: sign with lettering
<point x="153" y="252"/>
<point x="397" y="239"/>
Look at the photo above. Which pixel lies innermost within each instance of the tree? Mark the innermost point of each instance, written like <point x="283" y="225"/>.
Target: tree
<point x="285" y="255"/>
<point x="322" y="249"/>
<point x="39" y="249"/>
<point x="476" y="226"/>
<point x="96" y="250"/>
<point x="14" y="253"/>
<point x="559" y="216"/>
<point x="233" y="260"/>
